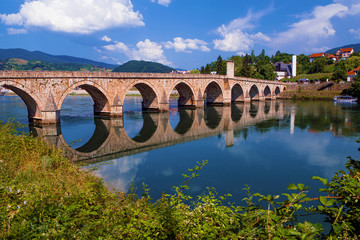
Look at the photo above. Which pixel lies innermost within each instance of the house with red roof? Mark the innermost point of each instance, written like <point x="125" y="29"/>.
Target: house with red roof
<point x="352" y="74"/>
<point x="316" y="55"/>
<point x="344" y="53"/>
<point x="331" y="56"/>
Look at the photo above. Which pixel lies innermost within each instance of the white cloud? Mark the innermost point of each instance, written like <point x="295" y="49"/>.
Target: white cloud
<point x="318" y="49"/>
<point x="165" y="3"/>
<point x="145" y="50"/>
<point x="117" y="47"/>
<point x="354" y="9"/>
<point x="186" y="45"/>
<point x="150" y="51"/>
<point x="355" y="32"/>
<point x="75" y="16"/>
<point x="14" y="31"/>
<point x="106" y="39"/>
<point x="234" y="36"/>
<point x="310" y="30"/>
<point x="237" y="40"/>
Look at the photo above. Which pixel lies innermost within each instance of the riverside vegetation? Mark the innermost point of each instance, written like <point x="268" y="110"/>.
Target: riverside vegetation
<point x="45" y="196"/>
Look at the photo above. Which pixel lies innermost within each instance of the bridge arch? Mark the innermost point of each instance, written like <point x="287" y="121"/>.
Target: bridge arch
<point x="254" y="93"/>
<point x="186" y="122"/>
<point x="237" y="93"/>
<point x="98" y="95"/>
<point x="32" y="102"/>
<point x="148" y="93"/>
<point x="267" y="92"/>
<point x="254" y="109"/>
<point x="186" y="94"/>
<point x="277" y="91"/>
<point x="214" y="93"/>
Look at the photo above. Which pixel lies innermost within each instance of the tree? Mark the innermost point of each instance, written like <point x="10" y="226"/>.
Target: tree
<point x="246" y="70"/>
<point x="261" y="56"/>
<point x="353" y="62"/>
<point x="318" y="65"/>
<point x="265" y="70"/>
<point x="207" y="69"/>
<point x="202" y="70"/>
<point x="340" y="73"/>
<point x="252" y="57"/>
<point x="238" y="62"/>
<point x="195" y="71"/>
<point x="219" y="66"/>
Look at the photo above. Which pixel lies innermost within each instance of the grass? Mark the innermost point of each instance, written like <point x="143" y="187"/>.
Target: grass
<point x="313" y="76"/>
<point x="310" y="95"/>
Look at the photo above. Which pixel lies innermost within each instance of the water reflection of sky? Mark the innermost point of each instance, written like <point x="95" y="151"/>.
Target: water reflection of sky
<point x="266" y="158"/>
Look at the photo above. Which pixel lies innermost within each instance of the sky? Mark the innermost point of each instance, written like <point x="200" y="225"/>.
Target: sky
<point x="184" y="34"/>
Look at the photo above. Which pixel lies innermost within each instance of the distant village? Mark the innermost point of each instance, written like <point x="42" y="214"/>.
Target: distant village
<point x="288" y="70"/>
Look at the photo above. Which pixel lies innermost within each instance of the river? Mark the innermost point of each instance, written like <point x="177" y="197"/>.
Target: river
<point x="266" y="145"/>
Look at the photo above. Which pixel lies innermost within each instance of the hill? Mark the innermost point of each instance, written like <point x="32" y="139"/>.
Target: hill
<point x="143" y="67"/>
<point x="356" y="48"/>
<point x="16" y="64"/>
<point x="19" y="53"/>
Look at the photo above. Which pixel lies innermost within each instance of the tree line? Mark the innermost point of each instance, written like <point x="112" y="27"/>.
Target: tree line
<point x="262" y="66"/>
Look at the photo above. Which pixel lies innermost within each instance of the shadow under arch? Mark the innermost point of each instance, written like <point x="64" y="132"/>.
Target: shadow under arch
<point x="98" y="138"/>
<point x="149" y="97"/>
<point x="237" y="93"/>
<point x="212" y="116"/>
<point x="148" y="129"/>
<point x="254" y="109"/>
<point x="237" y="110"/>
<point x="267" y="93"/>
<point x="254" y="93"/>
<point x="186" y="95"/>
<point x="277" y="91"/>
<point x="101" y="102"/>
<point x="267" y="107"/>
<point x="214" y="94"/>
<point x="187" y="118"/>
<point x="33" y="109"/>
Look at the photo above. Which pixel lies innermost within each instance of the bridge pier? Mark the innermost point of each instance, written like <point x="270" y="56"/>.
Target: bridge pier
<point x="48" y="117"/>
<point x="116" y="111"/>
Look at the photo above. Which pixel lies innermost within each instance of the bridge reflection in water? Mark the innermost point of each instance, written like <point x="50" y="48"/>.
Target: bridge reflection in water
<point x="110" y="140"/>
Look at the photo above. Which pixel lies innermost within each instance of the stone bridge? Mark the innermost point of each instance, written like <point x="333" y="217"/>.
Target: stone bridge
<point x="44" y="92"/>
<point x="110" y="140"/>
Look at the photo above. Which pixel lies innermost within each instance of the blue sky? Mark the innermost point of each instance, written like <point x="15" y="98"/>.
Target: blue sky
<point x="180" y="33"/>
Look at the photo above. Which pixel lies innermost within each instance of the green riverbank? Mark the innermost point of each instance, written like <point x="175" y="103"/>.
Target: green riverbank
<point x="310" y="95"/>
<point x="45" y="196"/>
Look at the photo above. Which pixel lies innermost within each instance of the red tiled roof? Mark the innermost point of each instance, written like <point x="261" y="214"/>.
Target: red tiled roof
<point x="314" y="55"/>
<point x="352" y="72"/>
<point x="346" y="49"/>
<point x="331" y="56"/>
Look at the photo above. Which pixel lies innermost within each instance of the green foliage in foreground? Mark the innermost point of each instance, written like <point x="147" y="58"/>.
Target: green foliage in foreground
<point x="44" y="196"/>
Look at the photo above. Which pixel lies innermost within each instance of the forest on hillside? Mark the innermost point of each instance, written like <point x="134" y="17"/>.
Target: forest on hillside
<point x="14" y="64"/>
<point x="262" y="66"/>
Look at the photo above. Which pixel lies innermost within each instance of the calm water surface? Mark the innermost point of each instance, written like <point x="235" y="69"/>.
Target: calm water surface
<point x="266" y="145"/>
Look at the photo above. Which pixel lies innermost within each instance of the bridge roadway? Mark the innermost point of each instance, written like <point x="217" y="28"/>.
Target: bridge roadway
<point x="44" y="92"/>
<point x="110" y="140"/>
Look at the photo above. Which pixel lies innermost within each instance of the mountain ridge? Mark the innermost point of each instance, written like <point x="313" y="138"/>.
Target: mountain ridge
<point x="143" y="67"/>
<point x="41" y="56"/>
<point x="355" y="46"/>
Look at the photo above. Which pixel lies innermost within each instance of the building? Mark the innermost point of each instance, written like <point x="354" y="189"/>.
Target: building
<point x="344" y="53"/>
<point x="352" y="74"/>
<point x="331" y="56"/>
<point x="316" y="55"/>
<point x="283" y="70"/>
